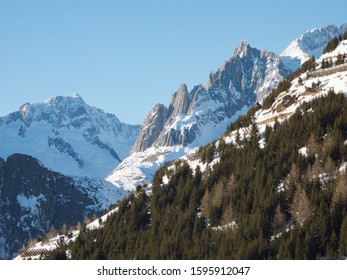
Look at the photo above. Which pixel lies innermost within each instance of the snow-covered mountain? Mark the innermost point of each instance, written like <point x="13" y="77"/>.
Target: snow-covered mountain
<point x="140" y="167"/>
<point x="33" y="198"/>
<point x="310" y="43"/>
<point x="193" y="116"/>
<point x="198" y="117"/>
<point x="67" y="136"/>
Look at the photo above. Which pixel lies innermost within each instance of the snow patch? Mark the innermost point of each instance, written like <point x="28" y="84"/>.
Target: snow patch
<point x="30" y="203"/>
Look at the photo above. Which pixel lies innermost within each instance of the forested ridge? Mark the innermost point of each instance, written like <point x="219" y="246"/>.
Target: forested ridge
<point x="286" y="200"/>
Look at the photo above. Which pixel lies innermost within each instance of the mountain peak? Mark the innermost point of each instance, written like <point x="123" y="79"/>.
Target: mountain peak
<point x="242" y="49"/>
<point x="180" y="101"/>
<point x="61" y="99"/>
<point x="183" y="88"/>
<point x="75" y="96"/>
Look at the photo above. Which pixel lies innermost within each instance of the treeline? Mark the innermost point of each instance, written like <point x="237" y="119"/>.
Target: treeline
<point x="334" y="42"/>
<point x="285" y="84"/>
<point x="287" y="200"/>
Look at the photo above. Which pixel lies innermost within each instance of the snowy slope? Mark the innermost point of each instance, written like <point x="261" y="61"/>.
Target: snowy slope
<point x="340" y="49"/>
<point x="67" y="136"/>
<point x="310" y="43"/>
<point x="139" y="168"/>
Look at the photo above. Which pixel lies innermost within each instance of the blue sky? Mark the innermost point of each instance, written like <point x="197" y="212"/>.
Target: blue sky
<point x="126" y="56"/>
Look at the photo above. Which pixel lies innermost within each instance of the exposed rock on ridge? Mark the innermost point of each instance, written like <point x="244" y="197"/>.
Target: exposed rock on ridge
<point x="248" y="76"/>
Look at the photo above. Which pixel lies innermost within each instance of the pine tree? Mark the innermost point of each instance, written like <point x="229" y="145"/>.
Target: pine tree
<point x="313" y="147"/>
<point x="229" y="215"/>
<point x="205" y="205"/>
<point x="218" y="192"/>
<point x="340" y="59"/>
<point x="340" y="193"/>
<point x="329" y="167"/>
<point x="324" y="63"/>
<point x="300" y="207"/>
<point x="331" y="45"/>
<point x="343" y="239"/>
<point x="332" y="247"/>
<point x="278" y="220"/>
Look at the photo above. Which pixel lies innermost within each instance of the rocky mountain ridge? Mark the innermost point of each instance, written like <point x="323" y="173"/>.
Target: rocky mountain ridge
<point x="245" y="78"/>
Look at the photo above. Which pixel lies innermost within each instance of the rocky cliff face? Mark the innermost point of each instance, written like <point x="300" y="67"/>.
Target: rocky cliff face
<point x="151" y="128"/>
<point x="180" y="101"/>
<point x="248" y="76"/>
<point x="68" y="136"/>
<point x="33" y="198"/>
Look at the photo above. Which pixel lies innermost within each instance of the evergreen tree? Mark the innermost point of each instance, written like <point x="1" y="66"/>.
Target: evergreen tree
<point x="331" y="45"/>
<point x="343" y="239"/>
<point x="300" y="208"/>
<point x="340" y="59"/>
<point x="278" y="220"/>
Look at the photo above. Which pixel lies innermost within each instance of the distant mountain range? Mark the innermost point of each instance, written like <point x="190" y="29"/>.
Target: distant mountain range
<point x="67" y="136"/>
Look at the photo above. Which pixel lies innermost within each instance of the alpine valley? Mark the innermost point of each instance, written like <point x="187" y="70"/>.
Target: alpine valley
<point x="249" y="165"/>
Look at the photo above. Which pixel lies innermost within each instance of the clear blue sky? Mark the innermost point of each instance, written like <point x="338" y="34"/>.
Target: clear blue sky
<point x="125" y="56"/>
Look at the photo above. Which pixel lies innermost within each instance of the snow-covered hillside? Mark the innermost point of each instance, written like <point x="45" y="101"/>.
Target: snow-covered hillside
<point x="310" y="43"/>
<point x="341" y="49"/>
<point x="67" y="136"/>
<point x="42" y="247"/>
<point x="303" y="89"/>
